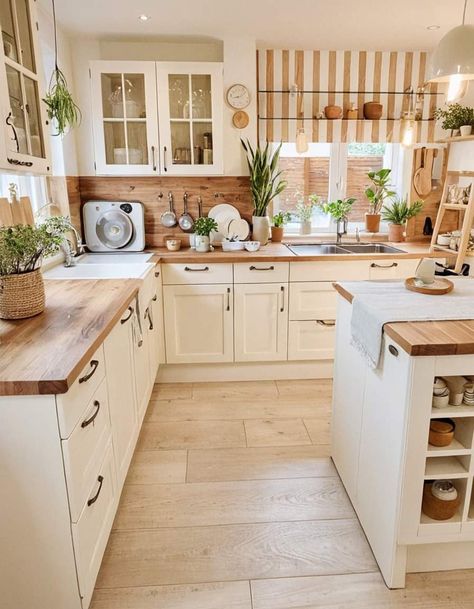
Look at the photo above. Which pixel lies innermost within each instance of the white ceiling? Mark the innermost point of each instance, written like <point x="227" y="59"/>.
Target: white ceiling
<point x="311" y="24"/>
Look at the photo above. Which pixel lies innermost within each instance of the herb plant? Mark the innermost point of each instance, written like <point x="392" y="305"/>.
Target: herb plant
<point x="340" y="209"/>
<point x="281" y="218"/>
<point x="304" y="209"/>
<point x="265" y="183"/>
<point x="379" y="189"/>
<point x="400" y="212"/>
<point x="455" y="116"/>
<point x="205" y="226"/>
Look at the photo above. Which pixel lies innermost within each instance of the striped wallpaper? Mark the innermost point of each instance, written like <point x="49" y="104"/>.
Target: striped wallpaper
<point x="349" y="74"/>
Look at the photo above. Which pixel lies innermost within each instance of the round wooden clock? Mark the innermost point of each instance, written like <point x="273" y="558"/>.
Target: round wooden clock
<point x="238" y="96"/>
<point x="240" y="120"/>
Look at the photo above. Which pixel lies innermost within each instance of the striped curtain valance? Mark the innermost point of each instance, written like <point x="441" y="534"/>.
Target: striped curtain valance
<point x="341" y="78"/>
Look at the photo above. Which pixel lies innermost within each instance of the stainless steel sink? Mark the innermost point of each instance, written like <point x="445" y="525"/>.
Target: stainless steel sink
<point x="321" y="249"/>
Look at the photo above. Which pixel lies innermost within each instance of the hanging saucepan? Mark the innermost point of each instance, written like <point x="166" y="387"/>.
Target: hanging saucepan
<point x="168" y="218"/>
<point x="185" y="221"/>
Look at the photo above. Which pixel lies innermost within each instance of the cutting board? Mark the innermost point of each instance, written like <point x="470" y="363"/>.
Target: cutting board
<point x="16" y="212"/>
<point x="422" y="176"/>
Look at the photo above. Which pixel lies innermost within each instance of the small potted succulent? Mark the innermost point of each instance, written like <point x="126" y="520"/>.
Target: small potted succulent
<point x="376" y="194"/>
<point x="22" y="249"/>
<point x="456" y="117"/>
<point x="304" y="211"/>
<point x="279" y="220"/>
<point x="203" y="227"/>
<point x="397" y="215"/>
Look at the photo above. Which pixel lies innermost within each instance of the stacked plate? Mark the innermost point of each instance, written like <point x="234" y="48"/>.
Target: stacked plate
<point x="229" y="223"/>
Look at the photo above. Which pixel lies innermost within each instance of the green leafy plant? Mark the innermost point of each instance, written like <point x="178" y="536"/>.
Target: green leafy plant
<point x="455" y="116"/>
<point x="280" y="219"/>
<point x="22" y="247"/>
<point x="340" y="209"/>
<point x="265" y="183"/>
<point x="400" y="212"/>
<point x="205" y="226"/>
<point x="379" y="189"/>
<point x="60" y="105"/>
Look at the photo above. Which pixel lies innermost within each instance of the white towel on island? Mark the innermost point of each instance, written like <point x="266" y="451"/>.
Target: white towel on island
<point x="378" y="303"/>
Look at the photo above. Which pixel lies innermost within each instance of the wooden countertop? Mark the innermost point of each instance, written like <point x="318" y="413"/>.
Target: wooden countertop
<point x="46" y="353"/>
<point x="278" y="252"/>
<point x="420" y="338"/>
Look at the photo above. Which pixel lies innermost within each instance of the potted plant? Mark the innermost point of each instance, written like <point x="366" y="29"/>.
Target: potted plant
<point x="376" y="195"/>
<point x="339" y="210"/>
<point x="279" y="220"/>
<point x="22" y="249"/>
<point x="397" y="214"/>
<point x="265" y="185"/>
<point x="455" y="116"/>
<point x="304" y="211"/>
<point x="203" y="227"/>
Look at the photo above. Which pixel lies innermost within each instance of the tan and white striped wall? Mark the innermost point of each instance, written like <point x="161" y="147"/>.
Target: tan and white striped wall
<point x="340" y="77"/>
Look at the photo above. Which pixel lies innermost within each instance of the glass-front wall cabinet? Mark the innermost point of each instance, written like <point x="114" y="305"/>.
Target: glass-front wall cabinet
<point x="22" y="115"/>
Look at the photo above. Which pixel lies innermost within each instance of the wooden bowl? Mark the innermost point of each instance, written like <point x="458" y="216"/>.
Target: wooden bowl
<point x="373" y="110"/>
<point x="441" y="432"/>
<point x="333" y="112"/>
<point x="437" y="508"/>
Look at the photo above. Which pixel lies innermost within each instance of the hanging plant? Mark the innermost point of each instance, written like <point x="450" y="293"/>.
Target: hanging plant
<point x="61" y="107"/>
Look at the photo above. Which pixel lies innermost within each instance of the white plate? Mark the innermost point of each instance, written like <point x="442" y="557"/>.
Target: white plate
<point x="239" y="228"/>
<point x="224" y="207"/>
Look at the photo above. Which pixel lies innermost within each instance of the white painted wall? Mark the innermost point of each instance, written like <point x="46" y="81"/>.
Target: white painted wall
<point x="237" y="53"/>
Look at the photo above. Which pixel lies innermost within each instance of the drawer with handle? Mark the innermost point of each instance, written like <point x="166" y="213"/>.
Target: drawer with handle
<point x="84" y="449"/>
<point x="261" y="272"/>
<point x="312" y="300"/>
<point x="311" y="340"/>
<point x="71" y="405"/>
<point x="392" y="269"/>
<point x="196" y="273"/>
<point x="91" y="532"/>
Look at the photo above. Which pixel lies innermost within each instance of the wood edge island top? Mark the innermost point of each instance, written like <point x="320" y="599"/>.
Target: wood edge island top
<point x="423" y="338"/>
<point x="44" y="355"/>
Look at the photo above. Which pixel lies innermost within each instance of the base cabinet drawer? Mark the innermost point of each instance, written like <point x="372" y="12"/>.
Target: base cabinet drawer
<point x="312" y="300"/>
<point x="261" y="272"/>
<point x="91" y="532"/>
<point x="330" y="270"/>
<point x="309" y="340"/>
<point x="393" y="269"/>
<point x="196" y="273"/>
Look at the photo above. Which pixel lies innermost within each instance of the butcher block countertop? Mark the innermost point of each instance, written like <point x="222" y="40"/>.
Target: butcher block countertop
<point x="428" y="337"/>
<point x="45" y="354"/>
<point x="278" y="252"/>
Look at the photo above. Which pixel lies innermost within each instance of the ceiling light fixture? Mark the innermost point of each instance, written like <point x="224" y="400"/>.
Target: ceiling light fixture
<point x="454" y="55"/>
<point x="433" y="27"/>
<point x="144" y="17"/>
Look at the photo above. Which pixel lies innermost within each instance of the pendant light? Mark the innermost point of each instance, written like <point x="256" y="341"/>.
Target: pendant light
<point x="453" y="59"/>
<point x="301" y="142"/>
<point x="408" y="123"/>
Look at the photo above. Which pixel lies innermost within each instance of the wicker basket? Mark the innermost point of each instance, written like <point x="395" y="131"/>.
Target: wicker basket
<point x="437" y="508"/>
<point x="21" y="295"/>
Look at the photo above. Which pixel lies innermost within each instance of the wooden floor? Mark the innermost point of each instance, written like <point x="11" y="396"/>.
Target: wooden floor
<point x="232" y="502"/>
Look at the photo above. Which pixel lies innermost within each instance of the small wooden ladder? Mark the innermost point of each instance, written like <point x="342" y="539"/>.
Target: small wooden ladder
<point x="467" y="211"/>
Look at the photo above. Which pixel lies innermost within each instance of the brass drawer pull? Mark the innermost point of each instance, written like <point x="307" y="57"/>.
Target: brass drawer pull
<point x="228" y="300"/>
<point x="94" y="364"/>
<point x="124" y="321"/>
<point x="262" y="268"/>
<point x="374" y="265"/>
<point x="326" y="323"/>
<point x="91" y="419"/>
<point x="93" y="499"/>
<point x="282" y="290"/>
<point x="187" y="268"/>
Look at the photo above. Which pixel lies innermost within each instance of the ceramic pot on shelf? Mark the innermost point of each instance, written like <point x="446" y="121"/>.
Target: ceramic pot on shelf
<point x="396" y="233"/>
<point x="333" y="112"/>
<point x="372" y="223"/>
<point x="466" y="130"/>
<point x="373" y="110"/>
<point x="261" y="229"/>
<point x="277" y="234"/>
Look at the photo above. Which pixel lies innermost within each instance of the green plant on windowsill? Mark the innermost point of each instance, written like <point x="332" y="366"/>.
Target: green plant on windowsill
<point x="340" y="209"/>
<point x="397" y="215"/>
<point x="379" y="189"/>
<point x="280" y="219"/>
<point x="205" y="226"/>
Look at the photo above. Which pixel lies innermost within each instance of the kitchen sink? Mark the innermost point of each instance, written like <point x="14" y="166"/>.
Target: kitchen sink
<point x="321" y="249"/>
<point x="371" y="248"/>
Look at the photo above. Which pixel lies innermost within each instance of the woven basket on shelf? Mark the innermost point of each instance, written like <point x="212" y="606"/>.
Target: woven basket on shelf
<point x="21" y="295"/>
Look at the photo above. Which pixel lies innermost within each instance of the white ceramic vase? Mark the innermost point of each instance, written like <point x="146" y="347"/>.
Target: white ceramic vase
<point x="305" y="227"/>
<point x="202" y="243"/>
<point x="261" y="229"/>
<point x="466" y="130"/>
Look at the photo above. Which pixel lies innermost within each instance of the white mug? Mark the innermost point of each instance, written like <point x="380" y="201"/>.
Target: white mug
<point x="466" y="130"/>
<point x="425" y="271"/>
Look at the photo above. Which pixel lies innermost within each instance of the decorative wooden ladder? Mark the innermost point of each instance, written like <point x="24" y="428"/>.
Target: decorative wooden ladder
<point x="467" y="209"/>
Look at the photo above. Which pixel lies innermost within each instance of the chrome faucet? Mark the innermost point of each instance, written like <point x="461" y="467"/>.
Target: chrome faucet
<point x="341" y="229"/>
<point x="71" y="251"/>
<point x="357" y="234"/>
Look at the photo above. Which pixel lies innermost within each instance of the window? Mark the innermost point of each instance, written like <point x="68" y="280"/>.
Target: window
<point x="34" y="187"/>
<point x="334" y="171"/>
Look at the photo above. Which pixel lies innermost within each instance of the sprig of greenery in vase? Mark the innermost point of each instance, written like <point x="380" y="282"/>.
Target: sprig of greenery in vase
<point x="204" y="226"/>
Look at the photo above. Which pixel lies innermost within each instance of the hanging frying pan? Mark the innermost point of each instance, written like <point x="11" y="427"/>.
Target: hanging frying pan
<point x="168" y="218"/>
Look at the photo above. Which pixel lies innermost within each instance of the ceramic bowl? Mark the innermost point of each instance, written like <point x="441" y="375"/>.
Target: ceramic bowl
<point x="173" y="245"/>
<point x="441" y="401"/>
<point x="444" y="240"/>
<point x="439" y="386"/>
<point x="232" y="246"/>
<point x="252" y="246"/>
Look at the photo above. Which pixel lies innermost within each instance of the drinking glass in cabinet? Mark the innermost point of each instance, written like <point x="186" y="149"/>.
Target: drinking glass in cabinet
<point x="33" y="116"/>
<point x="202" y="141"/>
<point x="201" y="96"/>
<point x="115" y="148"/>
<point x="123" y="96"/>
<point x="178" y="86"/>
<point x="137" y="143"/>
<point x="181" y="143"/>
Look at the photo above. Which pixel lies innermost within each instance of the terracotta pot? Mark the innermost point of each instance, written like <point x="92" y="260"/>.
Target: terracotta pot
<point x="261" y="229"/>
<point x="277" y="234"/>
<point x="373" y="110"/>
<point x="333" y="112"/>
<point x="372" y="223"/>
<point x="395" y="233"/>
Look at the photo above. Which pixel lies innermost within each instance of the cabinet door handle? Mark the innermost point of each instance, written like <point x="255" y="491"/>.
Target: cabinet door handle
<point x="93" y="364"/>
<point x="155" y="298"/>
<point x="228" y="300"/>
<point x="190" y="270"/>
<point x="393" y="350"/>
<point x="15" y="135"/>
<point x="374" y="265"/>
<point x="326" y="323"/>
<point x="261" y="268"/>
<point x="165" y="167"/>
<point x="282" y="290"/>
<point x="91" y="419"/>
<point x="157" y="274"/>
<point x="124" y="321"/>
<point x="150" y="318"/>
<point x="93" y="499"/>
<point x="153" y="158"/>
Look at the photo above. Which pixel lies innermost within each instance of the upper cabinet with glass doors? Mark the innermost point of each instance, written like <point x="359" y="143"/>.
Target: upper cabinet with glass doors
<point x="157" y="118"/>
<point x="23" y="115"/>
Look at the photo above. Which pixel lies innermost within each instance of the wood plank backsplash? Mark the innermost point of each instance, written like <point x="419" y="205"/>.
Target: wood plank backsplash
<point x="341" y="77"/>
<point x="147" y="190"/>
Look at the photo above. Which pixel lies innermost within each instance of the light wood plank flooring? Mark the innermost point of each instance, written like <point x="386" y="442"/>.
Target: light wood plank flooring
<point x="232" y="502"/>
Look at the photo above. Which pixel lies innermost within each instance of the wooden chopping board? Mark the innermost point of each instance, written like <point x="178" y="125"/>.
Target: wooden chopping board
<point x="17" y="212"/>
<point x="422" y="176"/>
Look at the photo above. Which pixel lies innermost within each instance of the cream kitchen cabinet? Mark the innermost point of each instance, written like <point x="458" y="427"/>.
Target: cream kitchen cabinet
<point x="392" y="269"/>
<point x="311" y="339"/>
<point x="23" y="145"/>
<point x="261" y="322"/>
<point x="199" y="323"/>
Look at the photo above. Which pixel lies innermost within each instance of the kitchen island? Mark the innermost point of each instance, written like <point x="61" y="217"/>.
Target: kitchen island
<point x="381" y="421"/>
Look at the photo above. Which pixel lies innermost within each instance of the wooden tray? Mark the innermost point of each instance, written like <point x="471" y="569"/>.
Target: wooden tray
<point x="440" y="286"/>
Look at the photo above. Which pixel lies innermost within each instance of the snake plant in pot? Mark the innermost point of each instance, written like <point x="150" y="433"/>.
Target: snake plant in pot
<point x="397" y="215"/>
<point x="265" y="185"/>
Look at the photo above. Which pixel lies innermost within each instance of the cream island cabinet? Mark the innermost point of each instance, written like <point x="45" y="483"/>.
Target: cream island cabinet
<point x="64" y="457"/>
<point x="380" y="427"/>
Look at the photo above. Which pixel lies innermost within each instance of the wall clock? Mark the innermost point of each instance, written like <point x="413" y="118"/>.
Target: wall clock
<point x="238" y="96"/>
